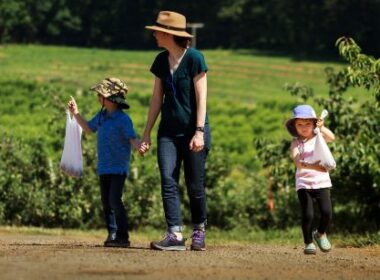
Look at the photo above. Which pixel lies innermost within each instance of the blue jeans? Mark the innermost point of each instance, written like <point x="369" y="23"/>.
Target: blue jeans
<point x="171" y="152"/>
<point x="111" y="191"/>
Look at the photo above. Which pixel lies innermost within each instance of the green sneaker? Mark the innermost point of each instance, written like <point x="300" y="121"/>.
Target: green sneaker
<point x="323" y="242"/>
<point x="310" y="249"/>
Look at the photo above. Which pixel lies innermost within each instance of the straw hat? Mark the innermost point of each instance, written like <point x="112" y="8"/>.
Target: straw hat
<point x="172" y="23"/>
<point x="114" y="90"/>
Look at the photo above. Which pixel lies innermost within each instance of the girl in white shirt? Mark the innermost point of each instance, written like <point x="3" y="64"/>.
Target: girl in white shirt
<point x="312" y="180"/>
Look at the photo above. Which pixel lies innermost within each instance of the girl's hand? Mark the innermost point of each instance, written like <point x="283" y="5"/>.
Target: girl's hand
<point x="197" y="142"/>
<point x="72" y="106"/>
<point x="320" y="123"/>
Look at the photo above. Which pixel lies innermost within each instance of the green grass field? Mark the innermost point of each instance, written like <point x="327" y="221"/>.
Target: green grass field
<point x="246" y="89"/>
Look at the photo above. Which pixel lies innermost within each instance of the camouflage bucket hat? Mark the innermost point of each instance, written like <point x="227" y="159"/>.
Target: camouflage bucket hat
<point x="114" y="90"/>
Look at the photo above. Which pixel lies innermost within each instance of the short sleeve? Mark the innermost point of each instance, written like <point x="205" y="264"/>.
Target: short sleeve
<point x="93" y="123"/>
<point x="198" y="64"/>
<point x="128" y="130"/>
<point x="158" y="65"/>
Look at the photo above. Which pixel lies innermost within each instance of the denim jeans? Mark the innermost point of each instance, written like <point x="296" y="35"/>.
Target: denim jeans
<point x="111" y="191"/>
<point x="171" y="152"/>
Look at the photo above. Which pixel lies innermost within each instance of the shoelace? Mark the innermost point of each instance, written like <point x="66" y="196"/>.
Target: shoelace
<point x="170" y="236"/>
<point x="198" y="235"/>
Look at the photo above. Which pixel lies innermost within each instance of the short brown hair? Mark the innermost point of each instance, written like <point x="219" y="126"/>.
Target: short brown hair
<point x="182" y="42"/>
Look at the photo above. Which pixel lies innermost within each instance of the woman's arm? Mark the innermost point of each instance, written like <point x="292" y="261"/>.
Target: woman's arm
<point x="200" y="86"/>
<point x="154" y="110"/>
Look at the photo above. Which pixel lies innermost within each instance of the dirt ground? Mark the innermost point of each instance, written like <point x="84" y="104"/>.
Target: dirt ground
<point x="36" y="256"/>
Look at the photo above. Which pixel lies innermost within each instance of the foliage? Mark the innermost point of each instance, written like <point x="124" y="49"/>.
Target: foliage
<point x="356" y="180"/>
<point x="293" y="25"/>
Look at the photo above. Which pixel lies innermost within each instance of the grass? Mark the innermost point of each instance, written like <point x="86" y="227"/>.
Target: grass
<point x="289" y="237"/>
<point x="245" y="88"/>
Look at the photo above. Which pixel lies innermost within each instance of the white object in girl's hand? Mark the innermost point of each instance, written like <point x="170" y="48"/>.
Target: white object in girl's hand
<point x="72" y="160"/>
<point x="322" y="153"/>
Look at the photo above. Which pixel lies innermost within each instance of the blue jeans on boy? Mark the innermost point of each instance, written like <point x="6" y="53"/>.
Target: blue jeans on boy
<point x="171" y="152"/>
<point x="111" y="191"/>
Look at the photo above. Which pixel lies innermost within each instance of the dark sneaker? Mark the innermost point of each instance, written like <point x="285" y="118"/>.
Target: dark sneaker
<point x="118" y="242"/>
<point x="110" y="238"/>
<point x="169" y="243"/>
<point x="198" y="240"/>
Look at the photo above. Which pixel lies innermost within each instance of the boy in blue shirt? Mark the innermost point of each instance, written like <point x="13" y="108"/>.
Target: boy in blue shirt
<point x="115" y="138"/>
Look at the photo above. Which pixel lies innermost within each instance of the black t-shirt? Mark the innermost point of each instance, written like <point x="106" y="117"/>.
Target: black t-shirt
<point x="179" y="108"/>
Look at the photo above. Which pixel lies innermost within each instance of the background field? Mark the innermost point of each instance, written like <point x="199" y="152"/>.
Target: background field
<point x="247" y="101"/>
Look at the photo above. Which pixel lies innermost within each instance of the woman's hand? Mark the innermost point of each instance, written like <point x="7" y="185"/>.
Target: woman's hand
<point x="145" y="144"/>
<point x="72" y="106"/>
<point x="197" y="142"/>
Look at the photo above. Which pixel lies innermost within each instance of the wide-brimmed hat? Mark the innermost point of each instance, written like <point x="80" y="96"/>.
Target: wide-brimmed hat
<point x="114" y="90"/>
<point x="300" y="112"/>
<point x="172" y="23"/>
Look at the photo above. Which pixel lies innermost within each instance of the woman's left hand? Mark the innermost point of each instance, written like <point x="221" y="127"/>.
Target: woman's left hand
<point x="197" y="142"/>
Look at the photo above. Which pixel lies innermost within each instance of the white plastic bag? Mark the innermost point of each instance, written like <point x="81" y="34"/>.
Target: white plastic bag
<point x="72" y="160"/>
<point x="322" y="153"/>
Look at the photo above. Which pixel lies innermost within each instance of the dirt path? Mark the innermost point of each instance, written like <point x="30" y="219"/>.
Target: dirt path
<point x="72" y="257"/>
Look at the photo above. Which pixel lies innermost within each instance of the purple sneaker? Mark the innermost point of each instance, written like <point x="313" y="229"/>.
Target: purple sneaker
<point x="169" y="243"/>
<point x="198" y="240"/>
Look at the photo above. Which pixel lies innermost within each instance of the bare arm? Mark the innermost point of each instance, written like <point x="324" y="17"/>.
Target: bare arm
<point x="327" y="134"/>
<point x="200" y="86"/>
<point x="154" y="110"/>
<point x="299" y="163"/>
<point x="135" y="143"/>
<point x="73" y="108"/>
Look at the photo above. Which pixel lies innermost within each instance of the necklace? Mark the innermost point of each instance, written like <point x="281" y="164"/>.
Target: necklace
<point x="174" y="62"/>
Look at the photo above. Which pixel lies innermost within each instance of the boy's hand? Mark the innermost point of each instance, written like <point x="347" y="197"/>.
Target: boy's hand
<point x="72" y="106"/>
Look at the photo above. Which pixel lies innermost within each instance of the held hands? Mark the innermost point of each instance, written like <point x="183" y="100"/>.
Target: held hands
<point x="197" y="142"/>
<point x="72" y="106"/>
<point x="145" y="145"/>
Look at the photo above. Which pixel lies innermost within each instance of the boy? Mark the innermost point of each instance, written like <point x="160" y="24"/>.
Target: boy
<point x="115" y="137"/>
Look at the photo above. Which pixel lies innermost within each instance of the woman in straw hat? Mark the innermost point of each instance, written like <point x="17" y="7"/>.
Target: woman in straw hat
<point x="179" y="93"/>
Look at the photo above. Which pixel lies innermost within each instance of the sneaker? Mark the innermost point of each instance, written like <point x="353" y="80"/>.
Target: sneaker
<point x="310" y="249"/>
<point x="118" y="242"/>
<point x="323" y="242"/>
<point x="169" y="243"/>
<point x="198" y="240"/>
<point x="110" y="238"/>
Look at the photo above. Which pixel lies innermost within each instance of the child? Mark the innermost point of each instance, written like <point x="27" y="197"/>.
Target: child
<point x="115" y="136"/>
<point x="312" y="180"/>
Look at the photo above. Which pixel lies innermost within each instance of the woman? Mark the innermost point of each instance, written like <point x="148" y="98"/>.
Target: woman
<point x="179" y="93"/>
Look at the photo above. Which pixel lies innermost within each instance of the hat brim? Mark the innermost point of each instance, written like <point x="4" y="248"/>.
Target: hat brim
<point x="289" y="124"/>
<point x="169" y="31"/>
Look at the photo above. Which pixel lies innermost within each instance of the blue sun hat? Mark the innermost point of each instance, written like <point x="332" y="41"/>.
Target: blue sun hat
<point x="300" y="112"/>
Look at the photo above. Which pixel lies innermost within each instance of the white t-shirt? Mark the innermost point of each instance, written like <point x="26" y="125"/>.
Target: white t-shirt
<point x="310" y="178"/>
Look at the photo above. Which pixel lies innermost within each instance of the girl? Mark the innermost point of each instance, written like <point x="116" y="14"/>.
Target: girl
<point x="312" y="180"/>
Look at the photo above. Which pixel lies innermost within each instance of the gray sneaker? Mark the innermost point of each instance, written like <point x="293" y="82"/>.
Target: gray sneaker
<point x="169" y="243"/>
<point x="198" y="240"/>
